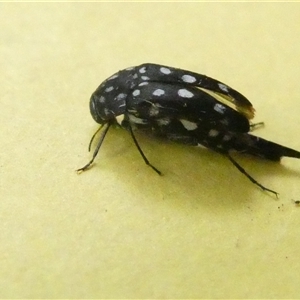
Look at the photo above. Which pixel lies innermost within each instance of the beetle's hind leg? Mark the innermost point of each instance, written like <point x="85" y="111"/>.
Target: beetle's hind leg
<point x="242" y="170"/>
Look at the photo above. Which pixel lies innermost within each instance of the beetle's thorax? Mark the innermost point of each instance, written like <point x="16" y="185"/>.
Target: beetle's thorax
<point x="109" y="99"/>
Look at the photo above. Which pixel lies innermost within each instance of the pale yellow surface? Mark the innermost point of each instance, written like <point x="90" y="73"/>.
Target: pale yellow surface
<point x="119" y="230"/>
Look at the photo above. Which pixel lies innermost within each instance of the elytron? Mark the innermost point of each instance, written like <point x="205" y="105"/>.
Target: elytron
<point x="180" y="106"/>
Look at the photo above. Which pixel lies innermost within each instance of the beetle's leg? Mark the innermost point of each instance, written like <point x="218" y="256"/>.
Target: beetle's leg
<point x="97" y="148"/>
<point x="93" y="137"/>
<point x="141" y="152"/>
<point x="242" y="170"/>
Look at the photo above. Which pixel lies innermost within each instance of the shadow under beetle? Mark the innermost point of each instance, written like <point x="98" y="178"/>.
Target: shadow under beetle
<point x="181" y="106"/>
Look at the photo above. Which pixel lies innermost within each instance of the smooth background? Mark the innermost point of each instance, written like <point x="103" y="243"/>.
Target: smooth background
<point x="120" y="230"/>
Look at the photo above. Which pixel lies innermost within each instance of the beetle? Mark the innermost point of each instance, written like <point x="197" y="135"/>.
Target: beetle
<point x="184" y="107"/>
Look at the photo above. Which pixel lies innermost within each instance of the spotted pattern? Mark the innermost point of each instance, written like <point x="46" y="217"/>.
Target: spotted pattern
<point x="220" y="108"/>
<point x="185" y="93"/>
<point x="187" y="114"/>
<point x="136" y="93"/>
<point x="213" y="133"/>
<point x="163" y="121"/>
<point x="165" y="70"/>
<point x="113" y="77"/>
<point x="188" y="78"/>
<point x="121" y="97"/>
<point x="223" y="87"/>
<point x="158" y="92"/>
<point x="143" y="83"/>
<point x="109" y="89"/>
<point x="188" y="125"/>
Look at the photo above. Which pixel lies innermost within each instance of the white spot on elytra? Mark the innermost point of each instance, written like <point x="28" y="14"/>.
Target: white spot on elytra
<point x="188" y="78"/>
<point x="223" y="87"/>
<point x="136" y="92"/>
<point x="130" y="68"/>
<point x="142" y="70"/>
<point x="145" y="77"/>
<point x="165" y="70"/>
<point x="188" y="125"/>
<point x="135" y="76"/>
<point x="143" y="83"/>
<point x="102" y="99"/>
<point x="220" y="108"/>
<point x="109" y="89"/>
<point x="158" y="92"/>
<point x="213" y="132"/>
<point x="185" y="93"/>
